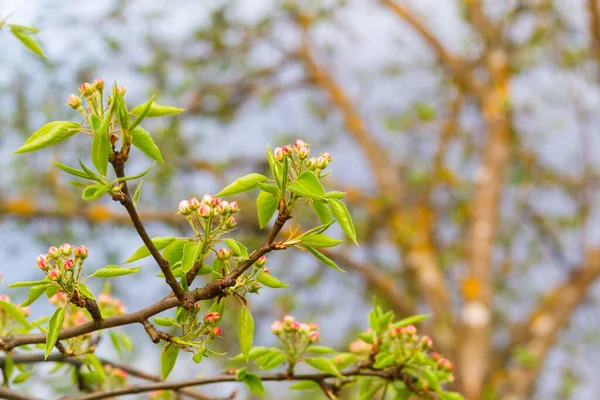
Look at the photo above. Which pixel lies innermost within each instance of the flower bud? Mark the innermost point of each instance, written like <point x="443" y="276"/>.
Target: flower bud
<point x="436" y="356"/>
<point x="425" y="343"/>
<point x="303" y="153"/>
<point x="411" y="330"/>
<point x="298" y="144"/>
<point x="197" y="305"/>
<point x="207" y="199"/>
<point x="53" y="252"/>
<point x="327" y="157"/>
<point x="53" y="275"/>
<point x="287" y="150"/>
<point x="216" y="331"/>
<point x="313" y="326"/>
<point x="288" y="319"/>
<point x="81" y="252"/>
<point x="194" y="203"/>
<point x="5" y="298"/>
<point x="99" y="84"/>
<point x="121" y="90"/>
<point x="184" y="207"/>
<point x="215" y="201"/>
<point x="445" y="364"/>
<point x="42" y="262"/>
<point x="120" y="374"/>
<point x="204" y="211"/>
<point x="276" y="327"/>
<point x="233" y="206"/>
<point x="104" y="299"/>
<point x="224" y="254"/>
<point x="314" y="336"/>
<point x="223" y="207"/>
<point x="266" y="271"/>
<point x="87" y="89"/>
<point x="321" y="162"/>
<point x="360" y="347"/>
<point x="26" y="310"/>
<point x="65" y="249"/>
<point x="304" y="328"/>
<point x="278" y="153"/>
<point x="68" y="265"/>
<point x="74" y="101"/>
<point x="230" y="223"/>
<point x="261" y="261"/>
<point x="212" y="317"/>
<point x="311" y="162"/>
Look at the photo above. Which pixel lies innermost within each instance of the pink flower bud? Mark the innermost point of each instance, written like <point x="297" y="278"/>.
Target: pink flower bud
<point x="5" y="298"/>
<point x="445" y="364"/>
<point x="104" y="299"/>
<point x="81" y="252"/>
<point x="26" y="310"/>
<point x="42" y="262"/>
<point x="411" y="330"/>
<point x="53" y="252"/>
<point x="261" y="261"/>
<point x="184" y="207"/>
<point x="321" y="162"/>
<point x="278" y="153"/>
<point x="426" y="343"/>
<point x="207" y="199"/>
<point x="303" y="152"/>
<point x="86" y="89"/>
<point x="276" y="327"/>
<point x="212" y="317"/>
<point x="99" y="84"/>
<point x="233" y="206"/>
<point x="224" y="254"/>
<point x="311" y="162"/>
<point x="223" y="207"/>
<point x="197" y="305"/>
<point x="230" y="223"/>
<point x="299" y="143"/>
<point x="360" y="347"/>
<point x="68" y="265"/>
<point x="327" y="157"/>
<point x="215" y="201"/>
<point x="287" y="150"/>
<point x="216" y="331"/>
<point x="74" y="101"/>
<point x="288" y="319"/>
<point x="204" y="211"/>
<point x="313" y="326"/>
<point x="194" y="203"/>
<point x="266" y="271"/>
<point x="65" y="249"/>
<point x="295" y="325"/>
<point x="304" y="328"/>
<point x="121" y="90"/>
<point x="436" y="356"/>
<point x="120" y="374"/>
<point x="314" y="336"/>
<point x="53" y="274"/>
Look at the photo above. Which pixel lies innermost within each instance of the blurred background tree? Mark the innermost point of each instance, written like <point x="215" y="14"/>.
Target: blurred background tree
<point x="463" y="131"/>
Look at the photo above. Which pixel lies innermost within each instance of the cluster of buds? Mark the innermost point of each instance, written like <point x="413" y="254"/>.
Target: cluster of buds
<point x="110" y="306"/>
<point x="289" y="328"/>
<point x="300" y="148"/>
<point x="319" y="163"/>
<point x="212" y="317"/>
<point x="210" y="206"/>
<point x="88" y="89"/>
<point x="75" y="318"/>
<point x="60" y="261"/>
<point x="405" y="332"/>
<point x="5" y="298"/>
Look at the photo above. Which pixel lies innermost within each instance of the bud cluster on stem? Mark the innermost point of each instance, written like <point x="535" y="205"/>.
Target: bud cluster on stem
<point x="295" y="337"/>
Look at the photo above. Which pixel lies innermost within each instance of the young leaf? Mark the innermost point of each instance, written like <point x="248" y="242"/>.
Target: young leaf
<point x="48" y="135"/>
<point x="191" y="252"/>
<point x="324" y="365"/>
<point x="34" y="293"/>
<point x="27" y="283"/>
<point x="411" y="320"/>
<point x="319" y="240"/>
<point x="245" y="332"/>
<point x="21" y="377"/>
<point x="136" y="195"/>
<point x="14" y="312"/>
<point x="343" y="360"/>
<point x="307" y="185"/>
<point x="305" y="385"/>
<point x="323" y="259"/>
<point x="168" y="359"/>
<point x="164" y="321"/>
<point x="384" y="360"/>
<point x="269" y="188"/>
<point x="72" y="171"/>
<point x="343" y="218"/>
<point x="141" y="139"/>
<point x="100" y="146"/>
<point x="320" y="349"/>
<point x="174" y="251"/>
<point x="276" y="168"/>
<point x="155" y="110"/>
<point x="143" y="252"/>
<point x="85" y="291"/>
<point x="322" y="210"/>
<point x="27" y="40"/>
<point x="243" y="184"/>
<point x="93" y="192"/>
<point x="335" y="195"/>
<point x="266" y="205"/>
<point x="254" y="383"/>
<point x="270" y="281"/>
<point x="54" y="327"/>
<point x="273" y="361"/>
<point x="237" y="248"/>
<point x="136" y="176"/>
<point x="111" y="271"/>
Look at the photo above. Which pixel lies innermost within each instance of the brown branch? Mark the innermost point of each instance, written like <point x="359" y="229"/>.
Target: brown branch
<point x="39" y="358"/>
<point x="8" y="394"/>
<point x="594" y="27"/>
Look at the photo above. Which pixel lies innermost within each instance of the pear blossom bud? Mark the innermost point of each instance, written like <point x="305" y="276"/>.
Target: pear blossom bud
<point x="261" y="261"/>
<point x="313" y="326"/>
<point x="194" y="203"/>
<point x="216" y="331"/>
<point x="311" y="162"/>
<point x="223" y="207"/>
<point x="212" y="317"/>
<point x="197" y="305"/>
<point x="68" y="265"/>
<point x="327" y="157"/>
<point x="425" y="343"/>
<point x="81" y="252"/>
<point x="266" y="271"/>
<point x="5" y="298"/>
<point x="321" y="162"/>
<point x="303" y="152"/>
<point x="276" y="327"/>
<point x="121" y="90"/>
<point x="215" y="201"/>
<point x="411" y="330"/>
<point x="120" y="374"/>
<point x="204" y="211"/>
<point x="42" y="262"/>
<point x="104" y="299"/>
<point x="436" y="356"/>
<point x="184" y="207"/>
<point x="314" y="336"/>
<point x="278" y="153"/>
<point x="287" y="150"/>
<point x="207" y="199"/>
<point x="53" y="252"/>
<point x="304" y="328"/>
<point x="445" y="364"/>
<point x="360" y="347"/>
<point x="230" y="223"/>
<point x="99" y="84"/>
<point x="26" y="310"/>
<point x="74" y="101"/>
<point x="299" y="143"/>
<point x="224" y="254"/>
<point x="53" y="274"/>
<point x="288" y="319"/>
<point x="233" y="206"/>
<point x="65" y="249"/>
<point x="86" y="89"/>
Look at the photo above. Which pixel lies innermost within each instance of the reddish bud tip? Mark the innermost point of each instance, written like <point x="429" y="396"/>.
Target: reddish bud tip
<point x="207" y="199"/>
<point x="194" y="203"/>
<point x="299" y="143"/>
<point x="5" y="298"/>
<point x="204" y="211"/>
<point x="53" y="252"/>
<point x="224" y="254"/>
<point x="212" y="317"/>
<point x="65" y="249"/>
<point x="68" y="265"/>
<point x="121" y="90"/>
<point x="87" y="89"/>
<point x="74" y="101"/>
<point x="303" y="152"/>
<point x="184" y="207"/>
<point x="223" y="207"/>
<point x="42" y="261"/>
<point x="231" y="222"/>
<point x="276" y="327"/>
<point x="314" y="336"/>
<point x="53" y="274"/>
<point x="81" y="252"/>
<point x="287" y="150"/>
<point x="99" y="83"/>
<point x="278" y="153"/>
<point x="233" y="206"/>
<point x="216" y="331"/>
<point x="261" y="261"/>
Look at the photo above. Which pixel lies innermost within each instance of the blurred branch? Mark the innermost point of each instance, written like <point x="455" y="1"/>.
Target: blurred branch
<point x="6" y="393"/>
<point x="594" y="28"/>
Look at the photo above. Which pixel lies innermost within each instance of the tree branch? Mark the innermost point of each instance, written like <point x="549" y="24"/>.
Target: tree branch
<point x="8" y="394"/>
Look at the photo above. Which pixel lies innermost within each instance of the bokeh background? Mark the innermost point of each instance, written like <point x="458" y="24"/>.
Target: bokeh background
<point x="464" y="132"/>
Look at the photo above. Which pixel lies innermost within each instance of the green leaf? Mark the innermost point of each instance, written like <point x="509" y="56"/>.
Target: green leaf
<point x="85" y="291"/>
<point x="9" y="367"/>
<point x="136" y="195"/>
<point x="22" y="377"/>
<point x="191" y="252"/>
<point x="49" y="135"/>
<point x="143" y="252"/>
<point x="237" y="248"/>
<point x="270" y="281"/>
<point x="277" y="169"/>
<point x="324" y="365"/>
<point x="73" y="171"/>
<point x="137" y="176"/>
<point x="165" y="321"/>
<point x="334" y="194"/>
<point x="411" y="320"/>
<point x="91" y="360"/>
<point x="319" y="240"/>
<point x="27" y="40"/>
<point x="273" y="361"/>
<point x="100" y="146"/>
<point x="307" y="185"/>
<point x="320" y="349"/>
<point x="343" y="218"/>
<point x="14" y="312"/>
<point x="90" y="172"/>
<point x="142" y="140"/>
<point x="269" y="188"/>
<point x="155" y="110"/>
<point x="254" y="383"/>
<point x="168" y="359"/>
<point x="266" y="205"/>
<point x="452" y="396"/>
<point x="323" y="259"/>
<point x="27" y="283"/>
<point x="110" y="271"/>
<point x="384" y="360"/>
<point x="322" y="211"/>
<point x="34" y="293"/>
<point x="54" y="327"/>
<point x="305" y="385"/>
<point x="343" y="360"/>
<point x="245" y="332"/>
<point x="243" y="184"/>
<point x="431" y="379"/>
<point x="24" y="28"/>
<point x="93" y="192"/>
<point x="173" y="253"/>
